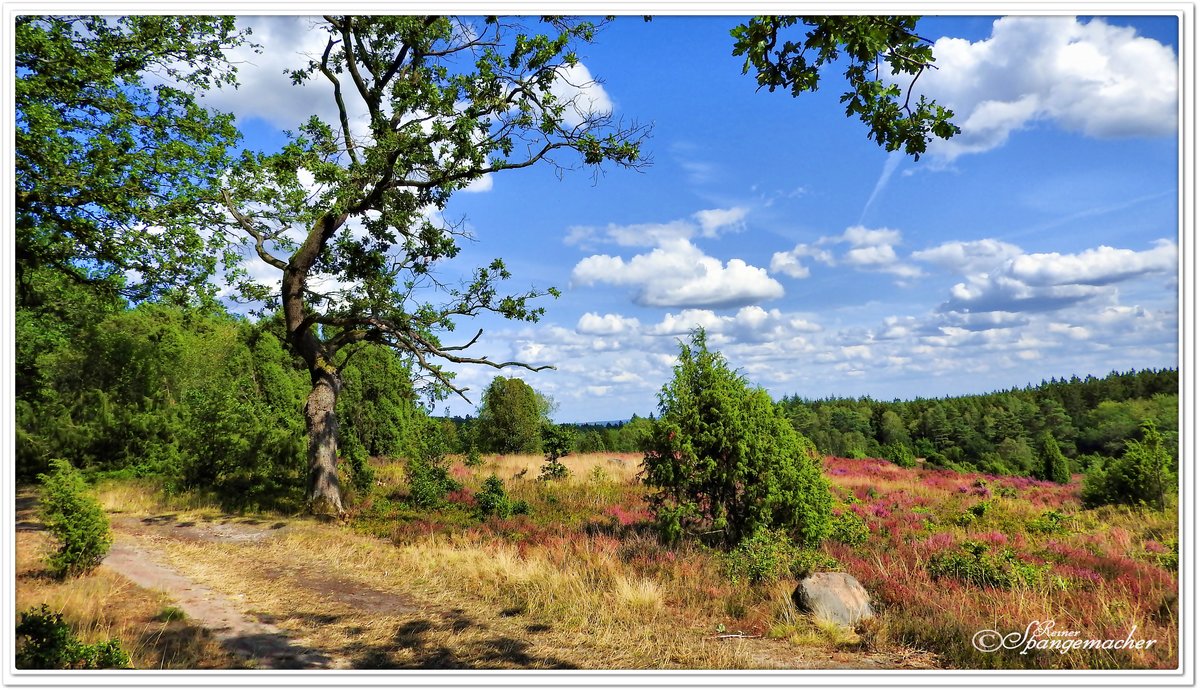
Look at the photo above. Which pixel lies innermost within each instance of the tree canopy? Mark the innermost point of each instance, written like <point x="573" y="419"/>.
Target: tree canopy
<point x="113" y="151"/>
<point x="878" y="52"/>
<point x="511" y="417"/>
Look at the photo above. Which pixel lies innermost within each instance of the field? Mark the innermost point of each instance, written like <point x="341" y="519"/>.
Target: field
<point x="582" y="582"/>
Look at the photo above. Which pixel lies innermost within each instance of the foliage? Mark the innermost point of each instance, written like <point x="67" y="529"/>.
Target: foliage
<point x="997" y="432"/>
<point x="1054" y="466"/>
<point x="44" y="641"/>
<point x="900" y="454"/>
<point x="1050" y="522"/>
<point x="116" y="97"/>
<point x="977" y="564"/>
<point x="493" y="500"/>
<point x="377" y="410"/>
<point x="511" y="417"/>
<point x="1141" y="476"/>
<point x="848" y="528"/>
<point x="429" y="479"/>
<point x="769" y="555"/>
<point x="877" y="52"/>
<point x="725" y="461"/>
<point x="75" y="519"/>
<point x="556" y="441"/>
<point x="448" y="101"/>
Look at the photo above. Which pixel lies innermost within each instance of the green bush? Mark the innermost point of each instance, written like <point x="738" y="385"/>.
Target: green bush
<point x="1140" y="477"/>
<point x="1049" y="523"/>
<point x="44" y="641"/>
<point x="726" y="461"/>
<point x="900" y="454"/>
<point x="1054" y="466"/>
<point x="429" y="482"/>
<point x="493" y="500"/>
<point x="975" y="563"/>
<point x="769" y="555"/>
<point x="556" y="442"/>
<point x="849" y="529"/>
<point x="75" y="519"/>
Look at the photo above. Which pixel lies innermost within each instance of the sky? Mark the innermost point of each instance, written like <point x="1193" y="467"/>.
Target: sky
<point x="1040" y="242"/>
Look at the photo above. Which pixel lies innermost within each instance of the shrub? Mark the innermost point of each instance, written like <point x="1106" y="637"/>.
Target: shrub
<point x="75" y="519"/>
<point x="473" y="459"/>
<point x="556" y="441"/>
<point x="1141" y="476"/>
<point x="900" y="454"/>
<point x="44" y="641"/>
<point x="726" y="461"/>
<point x="849" y="529"/>
<point x="1050" y="523"/>
<point x="974" y="563"/>
<point x="1054" y="466"/>
<point x="769" y="555"/>
<point x="493" y="500"/>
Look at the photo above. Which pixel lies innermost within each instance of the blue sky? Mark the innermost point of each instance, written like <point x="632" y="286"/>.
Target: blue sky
<point x="1039" y="243"/>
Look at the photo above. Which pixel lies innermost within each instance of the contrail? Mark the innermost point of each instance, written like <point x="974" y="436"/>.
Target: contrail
<point x="889" y="167"/>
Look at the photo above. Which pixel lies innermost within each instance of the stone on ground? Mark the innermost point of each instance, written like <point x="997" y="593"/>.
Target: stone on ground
<point x="834" y="597"/>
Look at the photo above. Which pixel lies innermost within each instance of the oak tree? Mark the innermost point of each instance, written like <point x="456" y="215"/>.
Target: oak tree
<point x="425" y="106"/>
<point x="879" y="53"/>
<point x="114" y="152"/>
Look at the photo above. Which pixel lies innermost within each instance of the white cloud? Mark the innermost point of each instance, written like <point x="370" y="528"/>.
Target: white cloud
<point x="861" y="236"/>
<point x="969" y="257"/>
<point x="789" y="263"/>
<point x="712" y="221"/>
<point x="583" y="95"/>
<point x="608" y="324"/>
<point x="708" y="223"/>
<point x="679" y="274"/>
<point x="751" y="324"/>
<point x="1051" y="281"/>
<point x="1094" y="78"/>
<point x="1097" y="267"/>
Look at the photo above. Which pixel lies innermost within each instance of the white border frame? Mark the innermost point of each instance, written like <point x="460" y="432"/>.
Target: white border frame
<point x="1183" y="676"/>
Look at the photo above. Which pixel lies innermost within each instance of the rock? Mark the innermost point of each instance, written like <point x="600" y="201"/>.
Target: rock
<point x="835" y="597"/>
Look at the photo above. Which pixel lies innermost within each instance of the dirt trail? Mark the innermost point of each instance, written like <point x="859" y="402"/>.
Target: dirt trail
<point x="266" y="644"/>
<point x="426" y="635"/>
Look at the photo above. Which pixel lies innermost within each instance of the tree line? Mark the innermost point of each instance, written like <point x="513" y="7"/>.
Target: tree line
<point x="1088" y="419"/>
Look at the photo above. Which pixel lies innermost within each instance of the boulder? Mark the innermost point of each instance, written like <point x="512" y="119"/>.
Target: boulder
<point x="835" y="597"/>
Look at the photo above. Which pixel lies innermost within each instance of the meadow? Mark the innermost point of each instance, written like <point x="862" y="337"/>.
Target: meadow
<point x="945" y="555"/>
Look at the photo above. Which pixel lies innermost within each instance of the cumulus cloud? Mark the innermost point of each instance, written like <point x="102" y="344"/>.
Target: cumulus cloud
<point x="679" y="274"/>
<point x="1088" y="77"/>
<point x="713" y="221"/>
<point x="264" y="89"/>
<point x="751" y="324"/>
<point x="791" y="263"/>
<point x="605" y="325"/>
<point x="708" y="223"/>
<point x="871" y="249"/>
<point x="583" y="96"/>
<point x="971" y="257"/>
<point x="1050" y="281"/>
<point x="1097" y="267"/>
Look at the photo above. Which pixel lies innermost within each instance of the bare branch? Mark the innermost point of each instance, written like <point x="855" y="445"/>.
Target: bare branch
<point x="248" y="225"/>
<point x="343" y="116"/>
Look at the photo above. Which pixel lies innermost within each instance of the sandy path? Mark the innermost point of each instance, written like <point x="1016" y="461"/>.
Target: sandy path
<point x="267" y="645"/>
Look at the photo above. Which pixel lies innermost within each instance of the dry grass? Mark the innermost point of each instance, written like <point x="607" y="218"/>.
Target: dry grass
<point x="103" y="605"/>
<point x="618" y="467"/>
<point x="464" y="595"/>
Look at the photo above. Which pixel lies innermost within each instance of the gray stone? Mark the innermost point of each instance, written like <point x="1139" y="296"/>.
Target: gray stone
<point x="835" y="597"/>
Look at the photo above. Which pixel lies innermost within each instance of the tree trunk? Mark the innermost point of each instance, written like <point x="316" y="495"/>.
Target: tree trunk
<point x="320" y="415"/>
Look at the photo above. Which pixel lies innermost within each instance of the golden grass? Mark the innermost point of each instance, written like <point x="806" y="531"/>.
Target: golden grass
<point x="103" y="605"/>
<point x="618" y="467"/>
<point x="561" y="616"/>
